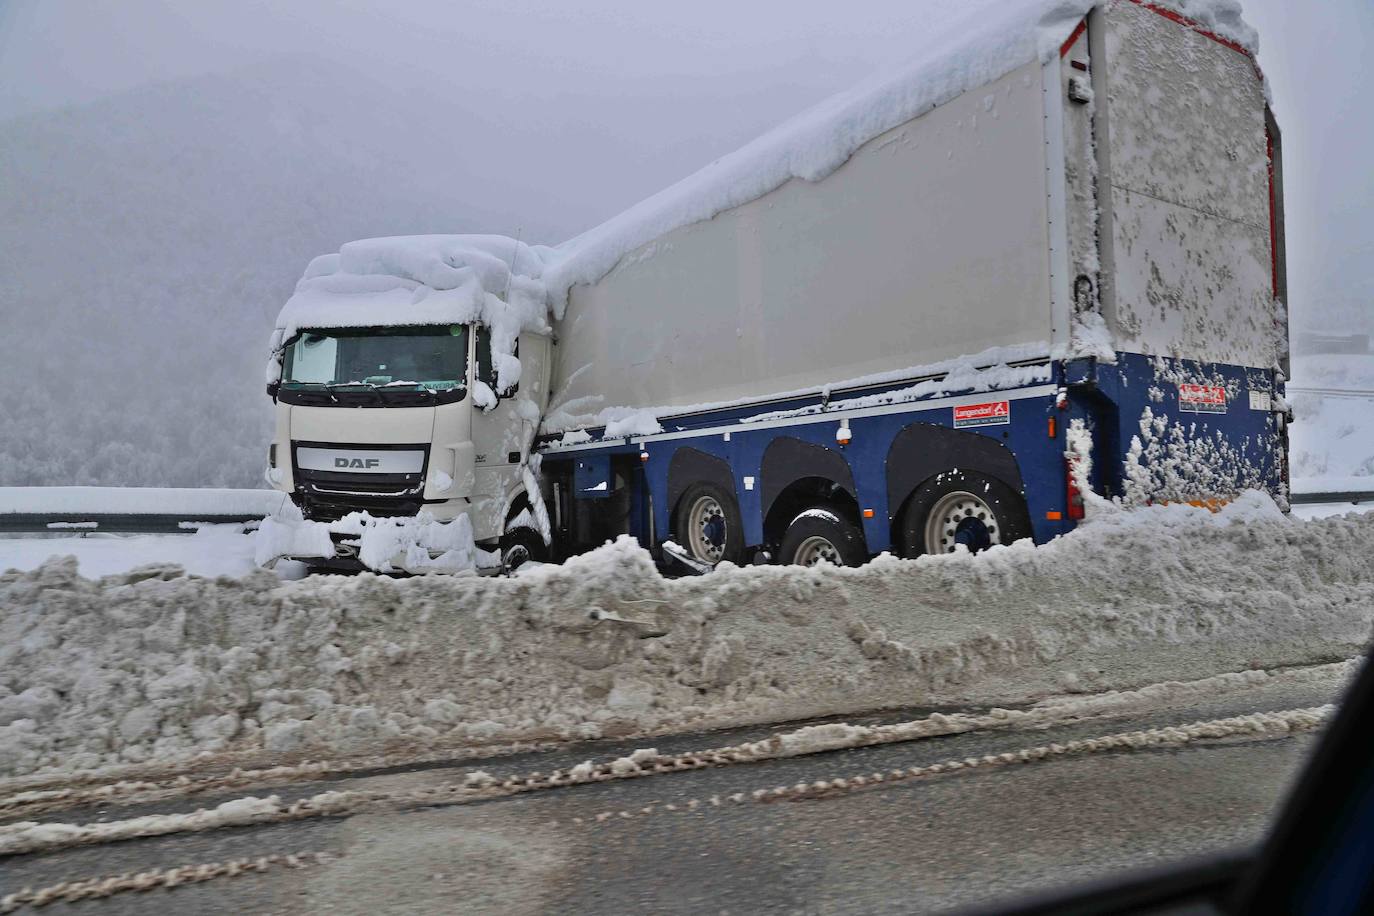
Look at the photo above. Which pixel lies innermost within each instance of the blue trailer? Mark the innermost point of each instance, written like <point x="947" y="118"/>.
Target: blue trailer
<point x="783" y="381"/>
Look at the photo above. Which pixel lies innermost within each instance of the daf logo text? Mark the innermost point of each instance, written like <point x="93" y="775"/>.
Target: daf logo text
<point x="357" y="462"/>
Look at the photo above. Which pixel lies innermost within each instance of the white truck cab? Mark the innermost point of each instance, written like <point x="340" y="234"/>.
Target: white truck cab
<point x="399" y="420"/>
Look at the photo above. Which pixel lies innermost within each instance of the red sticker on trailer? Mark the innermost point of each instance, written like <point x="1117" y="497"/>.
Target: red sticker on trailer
<point x="1202" y="398"/>
<point x="997" y="413"/>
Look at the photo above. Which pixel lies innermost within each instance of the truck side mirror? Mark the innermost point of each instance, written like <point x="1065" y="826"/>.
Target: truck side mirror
<point x="272" y="389"/>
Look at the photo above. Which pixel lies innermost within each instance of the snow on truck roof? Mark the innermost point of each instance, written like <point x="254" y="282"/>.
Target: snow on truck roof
<point x="513" y="286"/>
<point x="420" y="280"/>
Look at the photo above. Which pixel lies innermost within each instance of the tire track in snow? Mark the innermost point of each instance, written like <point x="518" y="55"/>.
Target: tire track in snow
<point x="105" y="886"/>
<point x="1256" y="726"/>
<point x="806" y="740"/>
<point x="30" y="837"/>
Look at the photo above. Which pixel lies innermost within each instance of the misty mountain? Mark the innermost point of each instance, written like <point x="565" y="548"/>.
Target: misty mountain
<point x="148" y="240"/>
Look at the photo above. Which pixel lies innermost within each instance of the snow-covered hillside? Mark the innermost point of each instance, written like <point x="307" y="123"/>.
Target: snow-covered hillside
<point x="150" y="239"/>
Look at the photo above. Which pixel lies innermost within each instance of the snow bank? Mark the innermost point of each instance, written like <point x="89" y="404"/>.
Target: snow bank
<point x="420" y="544"/>
<point x="130" y="668"/>
<point x="990" y="40"/>
<point x="423" y="280"/>
<point x="139" y="501"/>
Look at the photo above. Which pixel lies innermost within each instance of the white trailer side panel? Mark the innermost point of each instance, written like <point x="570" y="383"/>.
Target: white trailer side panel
<point x="1189" y="195"/>
<point x="929" y="243"/>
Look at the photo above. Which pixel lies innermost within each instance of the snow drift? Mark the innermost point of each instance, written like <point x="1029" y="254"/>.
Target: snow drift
<point x="157" y="664"/>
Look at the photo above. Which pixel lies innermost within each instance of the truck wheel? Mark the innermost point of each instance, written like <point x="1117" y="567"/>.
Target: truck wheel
<point x="819" y="536"/>
<point x="520" y="546"/>
<point x="962" y="507"/>
<point x="708" y="525"/>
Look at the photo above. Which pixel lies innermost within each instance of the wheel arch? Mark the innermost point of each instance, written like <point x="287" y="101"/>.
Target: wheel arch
<point x="794" y="475"/>
<point x="788" y="460"/>
<point x="920" y="451"/>
<point x="689" y="466"/>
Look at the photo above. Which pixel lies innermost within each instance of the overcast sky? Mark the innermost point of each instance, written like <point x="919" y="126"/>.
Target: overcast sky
<point x="701" y="77"/>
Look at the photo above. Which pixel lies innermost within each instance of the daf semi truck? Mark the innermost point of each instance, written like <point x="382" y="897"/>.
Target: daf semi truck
<point x="946" y="328"/>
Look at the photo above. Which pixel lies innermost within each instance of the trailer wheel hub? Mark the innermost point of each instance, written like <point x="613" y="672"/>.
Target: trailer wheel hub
<point x="816" y="550"/>
<point x="961" y="518"/>
<point x="706" y="529"/>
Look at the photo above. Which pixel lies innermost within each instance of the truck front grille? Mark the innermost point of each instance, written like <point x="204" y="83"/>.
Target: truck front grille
<point x="327" y="496"/>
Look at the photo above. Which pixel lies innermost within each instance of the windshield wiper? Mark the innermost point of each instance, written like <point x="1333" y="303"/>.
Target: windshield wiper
<point x="289" y="385"/>
<point x="371" y="389"/>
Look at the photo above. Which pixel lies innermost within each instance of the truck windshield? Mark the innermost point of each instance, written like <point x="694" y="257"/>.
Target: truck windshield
<point x="401" y="366"/>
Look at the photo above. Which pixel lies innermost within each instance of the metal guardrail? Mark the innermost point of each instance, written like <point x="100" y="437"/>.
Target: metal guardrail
<point x="1347" y="496"/>
<point x="130" y="510"/>
<point x="74" y="523"/>
<point x="1331" y="392"/>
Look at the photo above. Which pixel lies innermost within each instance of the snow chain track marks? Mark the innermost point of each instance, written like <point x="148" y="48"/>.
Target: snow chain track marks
<point x="174" y="775"/>
<point x="30" y="837"/>
<point x="36" y="798"/>
<point x="1257" y="725"/>
<point x="108" y="886"/>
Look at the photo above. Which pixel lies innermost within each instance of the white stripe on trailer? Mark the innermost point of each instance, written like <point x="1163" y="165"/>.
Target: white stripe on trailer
<point x="1057" y="213"/>
<point x="828" y="417"/>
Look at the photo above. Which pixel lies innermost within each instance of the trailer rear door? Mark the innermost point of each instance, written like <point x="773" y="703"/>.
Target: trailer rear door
<point x="1191" y="209"/>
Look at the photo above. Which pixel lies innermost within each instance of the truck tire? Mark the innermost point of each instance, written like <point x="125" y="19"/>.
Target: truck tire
<point x="708" y="524"/>
<point x="962" y="507"/>
<point x="820" y="535"/>
<point x="519" y="546"/>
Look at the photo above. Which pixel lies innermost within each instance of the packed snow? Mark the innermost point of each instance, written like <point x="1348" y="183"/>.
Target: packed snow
<point x="161" y="665"/>
<point x="417" y="545"/>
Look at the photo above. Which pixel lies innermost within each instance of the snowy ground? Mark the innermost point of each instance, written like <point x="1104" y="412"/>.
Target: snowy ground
<point x="213" y="550"/>
<point x="158" y="665"/>
<point x="1332" y="443"/>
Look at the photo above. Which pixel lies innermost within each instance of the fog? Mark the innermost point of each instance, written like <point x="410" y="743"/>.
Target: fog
<point x="167" y="169"/>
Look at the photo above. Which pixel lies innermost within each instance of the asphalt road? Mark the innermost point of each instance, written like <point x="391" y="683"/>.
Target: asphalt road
<point x="915" y="846"/>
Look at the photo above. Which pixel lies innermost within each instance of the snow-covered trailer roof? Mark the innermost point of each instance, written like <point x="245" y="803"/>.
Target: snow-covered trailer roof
<point x="989" y="39"/>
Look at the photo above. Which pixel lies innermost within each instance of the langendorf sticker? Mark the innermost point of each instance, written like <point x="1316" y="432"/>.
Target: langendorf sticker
<point x="1202" y="399"/>
<point x="995" y="413"/>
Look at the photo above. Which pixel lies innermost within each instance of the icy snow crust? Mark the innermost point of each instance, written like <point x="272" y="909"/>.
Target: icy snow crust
<point x="154" y="664"/>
